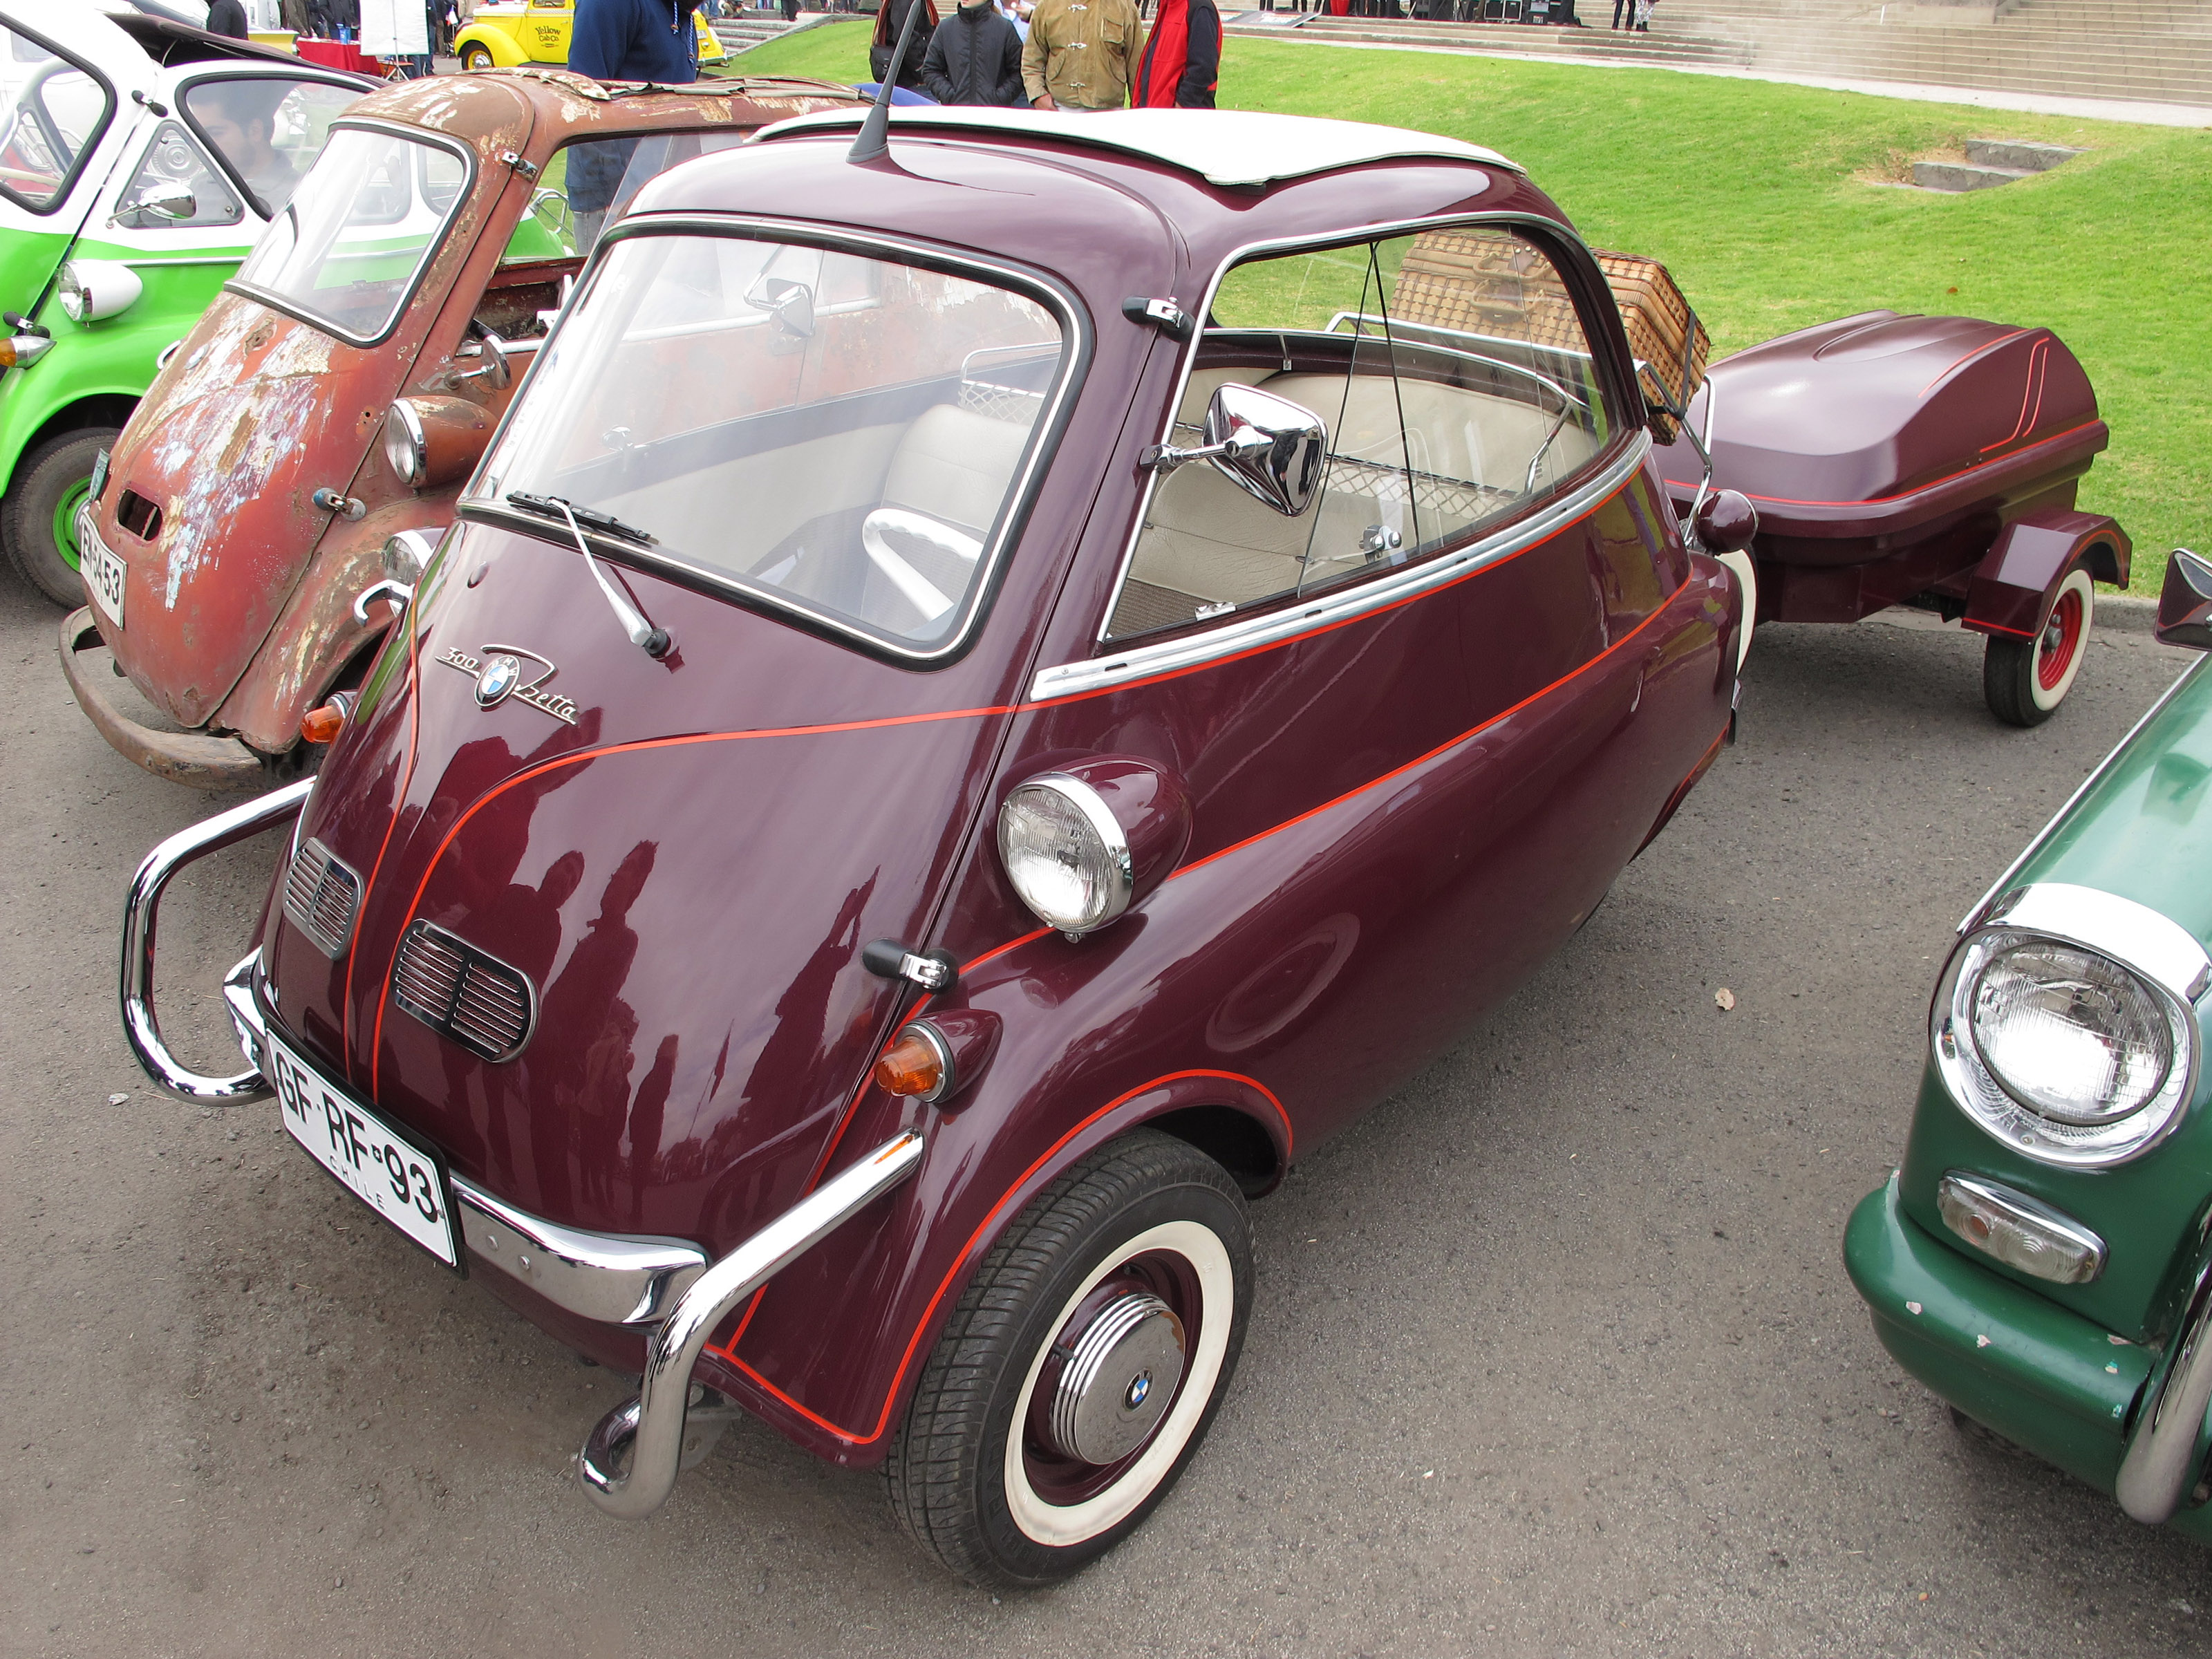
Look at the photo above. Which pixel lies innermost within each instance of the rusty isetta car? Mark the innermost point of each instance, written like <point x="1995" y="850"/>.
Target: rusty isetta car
<point x="308" y="439"/>
<point x="970" y="717"/>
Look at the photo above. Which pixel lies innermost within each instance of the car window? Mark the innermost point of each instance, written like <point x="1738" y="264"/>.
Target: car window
<point x="268" y="129"/>
<point x="52" y="111"/>
<point x="1454" y="383"/>
<point x="875" y="419"/>
<point x="177" y="187"/>
<point x="347" y="250"/>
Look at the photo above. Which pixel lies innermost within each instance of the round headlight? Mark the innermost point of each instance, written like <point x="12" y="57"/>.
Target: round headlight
<point x="1065" y="852"/>
<point x="2068" y="1033"/>
<point x="90" y="289"/>
<point x="69" y="289"/>
<point x="2060" y="1051"/>
<point x="406" y="449"/>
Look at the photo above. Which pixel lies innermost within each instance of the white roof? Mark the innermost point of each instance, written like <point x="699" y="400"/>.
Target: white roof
<point x="1225" y="147"/>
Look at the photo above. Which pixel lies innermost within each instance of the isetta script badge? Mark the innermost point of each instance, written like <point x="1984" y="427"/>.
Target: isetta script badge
<point x="502" y="672"/>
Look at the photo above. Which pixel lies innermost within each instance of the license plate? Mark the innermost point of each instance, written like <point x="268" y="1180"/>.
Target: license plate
<point x="386" y="1170"/>
<point x="104" y="570"/>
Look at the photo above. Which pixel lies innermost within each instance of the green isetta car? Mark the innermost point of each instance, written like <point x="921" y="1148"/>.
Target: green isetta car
<point x="2043" y="1259"/>
<point x="140" y="159"/>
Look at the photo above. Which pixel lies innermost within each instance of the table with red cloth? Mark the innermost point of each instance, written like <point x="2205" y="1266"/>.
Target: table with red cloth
<point x="339" y="55"/>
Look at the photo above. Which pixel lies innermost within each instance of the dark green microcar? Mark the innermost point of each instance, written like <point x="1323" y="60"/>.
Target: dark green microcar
<point x="2043" y="1259"/>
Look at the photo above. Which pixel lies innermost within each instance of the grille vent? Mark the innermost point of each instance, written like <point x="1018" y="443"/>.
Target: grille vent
<point x="454" y="988"/>
<point x="320" y="895"/>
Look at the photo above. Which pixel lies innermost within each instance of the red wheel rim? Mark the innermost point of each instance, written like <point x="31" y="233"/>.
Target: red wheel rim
<point x="2061" y="639"/>
<point x="1064" y="1480"/>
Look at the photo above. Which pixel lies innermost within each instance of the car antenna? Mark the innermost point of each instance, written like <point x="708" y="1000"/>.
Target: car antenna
<point x="875" y="140"/>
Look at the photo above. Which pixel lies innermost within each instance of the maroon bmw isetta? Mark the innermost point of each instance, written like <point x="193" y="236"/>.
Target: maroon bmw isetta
<point x="955" y="737"/>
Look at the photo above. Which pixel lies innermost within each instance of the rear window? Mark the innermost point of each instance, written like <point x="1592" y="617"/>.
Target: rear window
<point x="348" y="250"/>
<point x="52" y="111"/>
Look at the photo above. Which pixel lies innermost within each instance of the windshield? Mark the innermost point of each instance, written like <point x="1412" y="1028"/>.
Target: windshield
<point x="837" y="434"/>
<point x="347" y="250"/>
<point x="52" y="111"/>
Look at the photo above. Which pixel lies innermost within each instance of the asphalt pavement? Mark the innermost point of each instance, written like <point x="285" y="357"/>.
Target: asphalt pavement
<point x="1553" y="1354"/>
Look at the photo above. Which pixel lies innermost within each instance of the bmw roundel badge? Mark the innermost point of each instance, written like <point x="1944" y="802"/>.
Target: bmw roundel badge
<point x="500" y="675"/>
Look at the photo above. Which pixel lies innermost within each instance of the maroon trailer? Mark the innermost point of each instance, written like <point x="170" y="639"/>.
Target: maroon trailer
<point x="982" y="700"/>
<point x="1918" y="460"/>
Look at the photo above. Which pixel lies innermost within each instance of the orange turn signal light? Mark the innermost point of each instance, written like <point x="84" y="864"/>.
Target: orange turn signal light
<point x="911" y="1066"/>
<point x="320" y="725"/>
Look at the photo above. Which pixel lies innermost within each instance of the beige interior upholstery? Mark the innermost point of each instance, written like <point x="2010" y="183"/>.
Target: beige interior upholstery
<point x="955" y="466"/>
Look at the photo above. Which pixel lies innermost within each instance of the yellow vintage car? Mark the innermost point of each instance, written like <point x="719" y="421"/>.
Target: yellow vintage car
<point x="536" y="32"/>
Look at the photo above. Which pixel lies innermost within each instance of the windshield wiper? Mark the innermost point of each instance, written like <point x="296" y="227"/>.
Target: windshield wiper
<point x="553" y="507"/>
<point x="653" y="641"/>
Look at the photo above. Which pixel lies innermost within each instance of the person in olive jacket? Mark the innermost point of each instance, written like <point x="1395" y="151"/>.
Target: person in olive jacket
<point x="1082" y="54"/>
<point x="975" y="57"/>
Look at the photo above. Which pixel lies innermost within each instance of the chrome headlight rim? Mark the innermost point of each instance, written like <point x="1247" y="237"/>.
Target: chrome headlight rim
<point x="2153" y="949"/>
<point x="1120" y="879"/>
<point x="406" y="446"/>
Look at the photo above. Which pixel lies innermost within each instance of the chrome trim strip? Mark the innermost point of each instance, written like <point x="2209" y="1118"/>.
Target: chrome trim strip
<point x="649" y="1430"/>
<point x="141" y="907"/>
<point x="1292" y="245"/>
<point x="1078" y="343"/>
<point x="2161" y="1465"/>
<point x="1273" y="627"/>
<point x="1973" y="918"/>
<point x="2029" y="1214"/>
<point x="2134" y="935"/>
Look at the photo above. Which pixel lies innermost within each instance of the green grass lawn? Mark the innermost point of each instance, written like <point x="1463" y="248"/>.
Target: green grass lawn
<point x="1754" y="195"/>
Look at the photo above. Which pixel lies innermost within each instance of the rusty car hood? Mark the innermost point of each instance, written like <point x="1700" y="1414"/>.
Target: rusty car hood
<point x="682" y="858"/>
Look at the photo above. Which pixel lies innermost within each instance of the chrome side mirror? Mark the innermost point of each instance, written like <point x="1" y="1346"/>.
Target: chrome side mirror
<point x="173" y="205"/>
<point x="497" y="372"/>
<point x="1271" y="448"/>
<point x="789" y="305"/>
<point x="2184" y="603"/>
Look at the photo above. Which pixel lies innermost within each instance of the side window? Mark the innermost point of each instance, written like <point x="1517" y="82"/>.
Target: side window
<point x="52" y="109"/>
<point x="267" y="129"/>
<point x="1457" y="391"/>
<point x="176" y="185"/>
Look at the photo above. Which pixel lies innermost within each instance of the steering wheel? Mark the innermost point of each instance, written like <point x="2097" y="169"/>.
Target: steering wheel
<point x="918" y="590"/>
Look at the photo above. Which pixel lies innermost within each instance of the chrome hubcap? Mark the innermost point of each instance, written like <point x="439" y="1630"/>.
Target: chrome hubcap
<point x="1121" y="1373"/>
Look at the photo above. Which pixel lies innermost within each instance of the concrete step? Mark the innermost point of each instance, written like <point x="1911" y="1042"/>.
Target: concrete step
<point x="1516" y="39"/>
<point x="1954" y="177"/>
<point x="2018" y="154"/>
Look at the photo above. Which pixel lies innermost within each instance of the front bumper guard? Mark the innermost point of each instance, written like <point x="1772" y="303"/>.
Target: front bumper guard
<point x="188" y="757"/>
<point x="2165" y="1448"/>
<point x="629" y="1463"/>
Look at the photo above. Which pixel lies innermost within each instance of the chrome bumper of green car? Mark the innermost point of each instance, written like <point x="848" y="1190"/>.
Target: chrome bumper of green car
<point x="2046" y="1378"/>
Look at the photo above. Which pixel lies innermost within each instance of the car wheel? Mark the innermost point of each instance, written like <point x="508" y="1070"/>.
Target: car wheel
<point x="1081" y="1368"/>
<point x="2025" y="680"/>
<point x="38" y="520"/>
<point x="474" y="59"/>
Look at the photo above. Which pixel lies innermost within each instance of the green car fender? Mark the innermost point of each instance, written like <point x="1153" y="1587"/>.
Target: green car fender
<point x="92" y="365"/>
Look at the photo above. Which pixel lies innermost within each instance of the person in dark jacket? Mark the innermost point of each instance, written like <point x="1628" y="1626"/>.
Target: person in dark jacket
<point x="1182" y="61"/>
<point x="227" y="17"/>
<point x="975" y="57"/>
<point x="891" y="18"/>
<point x="651" y="41"/>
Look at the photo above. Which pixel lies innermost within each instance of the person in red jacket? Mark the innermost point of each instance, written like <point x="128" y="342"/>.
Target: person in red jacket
<point x="1182" y="61"/>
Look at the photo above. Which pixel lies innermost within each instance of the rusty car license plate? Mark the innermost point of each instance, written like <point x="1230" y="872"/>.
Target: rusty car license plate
<point x="103" y="570"/>
<point x="387" y="1172"/>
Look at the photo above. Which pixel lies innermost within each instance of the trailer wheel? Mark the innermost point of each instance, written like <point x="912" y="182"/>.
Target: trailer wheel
<point x="2026" y="680"/>
<point x="1081" y="1368"/>
<point x="38" y="520"/>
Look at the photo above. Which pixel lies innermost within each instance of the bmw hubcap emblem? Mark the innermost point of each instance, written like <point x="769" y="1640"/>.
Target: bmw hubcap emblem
<point x="499" y="676"/>
<point x="1139" y="1386"/>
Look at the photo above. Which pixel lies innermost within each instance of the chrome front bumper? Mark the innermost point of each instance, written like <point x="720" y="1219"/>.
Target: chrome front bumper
<point x="629" y="1463"/>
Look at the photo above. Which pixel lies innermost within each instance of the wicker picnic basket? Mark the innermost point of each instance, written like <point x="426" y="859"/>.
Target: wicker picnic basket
<point x="1485" y="281"/>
